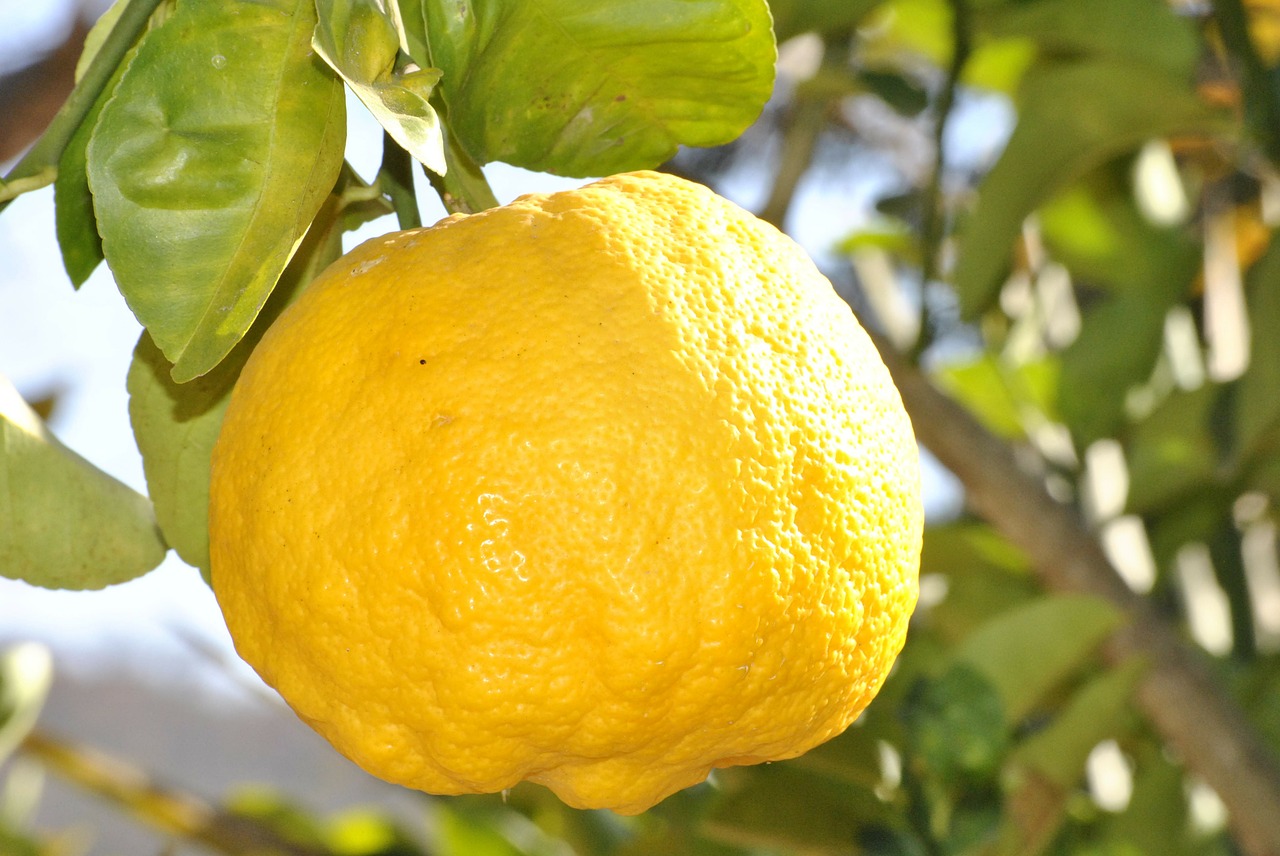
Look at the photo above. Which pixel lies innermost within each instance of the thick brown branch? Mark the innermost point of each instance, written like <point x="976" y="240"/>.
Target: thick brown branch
<point x="1180" y="696"/>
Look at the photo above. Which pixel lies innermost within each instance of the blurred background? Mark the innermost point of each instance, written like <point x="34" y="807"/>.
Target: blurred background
<point x="1059" y="212"/>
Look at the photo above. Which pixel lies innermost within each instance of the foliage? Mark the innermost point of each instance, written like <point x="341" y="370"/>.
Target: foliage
<point x="1102" y="295"/>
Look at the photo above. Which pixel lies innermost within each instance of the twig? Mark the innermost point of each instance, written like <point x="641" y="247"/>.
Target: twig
<point x="40" y="163"/>
<point x="1193" y="713"/>
<point x="804" y="120"/>
<point x="170" y="811"/>
<point x="933" y="225"/>
<point x="395" y="178"/>
<point x="463" y="188"/>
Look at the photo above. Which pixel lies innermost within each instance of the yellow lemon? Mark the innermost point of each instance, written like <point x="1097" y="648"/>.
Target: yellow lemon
<point x="603" y="489"/>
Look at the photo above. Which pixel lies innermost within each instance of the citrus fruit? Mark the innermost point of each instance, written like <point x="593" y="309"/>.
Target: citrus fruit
<point x="603" y="489"/>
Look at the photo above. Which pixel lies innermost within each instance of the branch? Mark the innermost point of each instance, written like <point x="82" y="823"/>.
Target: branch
<point x="40" y="164"/>
<point x="165" y="809"/>
<point x="1193" y="713"/>
<point x="933" y="227"/>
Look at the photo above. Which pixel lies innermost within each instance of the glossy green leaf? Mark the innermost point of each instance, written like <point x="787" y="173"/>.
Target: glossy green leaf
<point x="63" y="522"/>
<point x="793" y="17"/>
<point x="360" y="42"/>
<point x="1075" y="115"/>
<point x="26" y="673"/>
<point x="1146" y="31"/>
<point x="76" y="226"/>
<point x="592" y="89"/>
<point x="1028" y="651"/>
<point x="222" y="140"/>
<point x="176" y="424"/>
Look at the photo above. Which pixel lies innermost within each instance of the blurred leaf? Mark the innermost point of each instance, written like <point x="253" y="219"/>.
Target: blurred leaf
<point x="793" y="17"/>
<point x="1257" y="405"/>
<point x="1075" y="115"/>
<point x="1172" y="454"/>
<point x="221" y="141"/>
<point x="1047" y="767"/>
<point x="956" y="727"/>
<point x="999" y="64"/>
<point x="1116" y="350"/>
<point x="460" y="834"/>
<point x="899" y="92"/>
<point x="1156" y="819"/>
<point x="985" y="575"/>
<point x="366" y="832"/>
<point x="1145" y="31"/>
<point x="1095" y="228"/>
<point x="177" y="424"/>
<point x="359" y="41"/>
<point x="1028" y="651"/>
<point x="593" y="89"/>
<point x="852" y="757"/>
<point x="999" y="394"/>
<point x="784" y="808"/>
<point x="921" y="27"/>
<point x="26" y="673"/>
<point x="63" y="522"/>
<point x="1101" y="709"/>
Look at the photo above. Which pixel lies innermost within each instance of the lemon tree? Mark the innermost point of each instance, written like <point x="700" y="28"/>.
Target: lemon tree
<point x="602" y="498"/>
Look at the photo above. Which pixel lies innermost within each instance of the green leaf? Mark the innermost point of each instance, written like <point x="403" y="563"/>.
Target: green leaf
<point x="1117" y="348"/>
<point x="176" y="424"/>
<point x="63" y="522"/>
<point x="985" y="576"/>
<point x="1257" y="416"/>
<point x="26" y="673"/>
<point x="956" y="725"/>
<point x="793" y="17"/>
<point x="780" y="807"/>
<point x="1146" y="31"/>
<point x="360" y="42"/>
<point x="1096" y="230"/>
<point x="1028" y="651"/>
<point x="1171" y="454"/>
<point x="999" y="394"/>
<point x="1098" y="711"/>
<point x="1046" y="769"/>
<point x="1156" y="819"/>
<point x="1075" y="115"/>
<point x="207" y="165"/>
<point x="76" y="226"/>
<point x="591" y="89"/>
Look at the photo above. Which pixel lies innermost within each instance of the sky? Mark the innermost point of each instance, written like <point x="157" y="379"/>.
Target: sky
<point x="78" y="345"/>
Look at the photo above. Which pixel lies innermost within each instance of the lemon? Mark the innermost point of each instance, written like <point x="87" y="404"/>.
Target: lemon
<point x="603" y="489"/>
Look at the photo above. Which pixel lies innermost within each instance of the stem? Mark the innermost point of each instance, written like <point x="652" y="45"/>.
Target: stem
<point x="804" y="122"/>
<point x="1261" y="92"/>
<point x="395" y="178"/>
<point x="934" y="226"/>
<point x="463" y="188"/>
<point x="165" y="809"/>
<point x="1180" y="696"/>
<point x="40" y="164"/>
